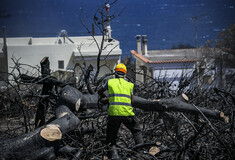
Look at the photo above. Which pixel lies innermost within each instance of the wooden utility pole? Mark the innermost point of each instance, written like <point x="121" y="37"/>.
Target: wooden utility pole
<point x="195" y="18"/>
<point x="196" y="28"/>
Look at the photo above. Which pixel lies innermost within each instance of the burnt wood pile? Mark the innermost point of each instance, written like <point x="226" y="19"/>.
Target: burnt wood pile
<point x="60" y="120"/>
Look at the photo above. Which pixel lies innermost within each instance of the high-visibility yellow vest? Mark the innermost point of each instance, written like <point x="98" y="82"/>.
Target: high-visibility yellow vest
<point x="120" y="97"/>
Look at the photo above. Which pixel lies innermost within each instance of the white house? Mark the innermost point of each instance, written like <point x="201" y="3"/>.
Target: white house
<point x="63" y="52"/>
<point x="172" y="64"/>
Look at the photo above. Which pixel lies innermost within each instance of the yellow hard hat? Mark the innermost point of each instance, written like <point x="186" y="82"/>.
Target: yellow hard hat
<point x="120" y="68"/>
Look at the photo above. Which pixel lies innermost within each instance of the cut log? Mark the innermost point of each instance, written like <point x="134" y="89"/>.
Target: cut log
<point x="154" y="150"/>
<point x="43" y="142"/>
<point x="76" y="100"/>
<point x="51" y="133"/>
<point x="175" y="105"/>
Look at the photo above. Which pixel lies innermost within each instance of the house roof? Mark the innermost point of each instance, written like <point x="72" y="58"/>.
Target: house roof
<point x="166" y="60"/>
<point x="74" y="45"/>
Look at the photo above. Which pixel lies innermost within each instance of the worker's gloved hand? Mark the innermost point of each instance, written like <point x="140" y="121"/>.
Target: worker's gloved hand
<point x="103" y="95"/>
<point x="105" y="100"/>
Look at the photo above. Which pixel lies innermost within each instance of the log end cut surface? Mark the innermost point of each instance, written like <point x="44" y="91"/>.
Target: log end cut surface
<point x="154" y="150"/>
<point x="51" y="133"/>
<point x="185" y="97"/>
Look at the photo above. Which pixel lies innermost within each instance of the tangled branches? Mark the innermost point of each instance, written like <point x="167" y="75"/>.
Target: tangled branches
<point x="167" y="134"/>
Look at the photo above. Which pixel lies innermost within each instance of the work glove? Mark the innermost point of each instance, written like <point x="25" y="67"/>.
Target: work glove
<point x="104" y="100"/>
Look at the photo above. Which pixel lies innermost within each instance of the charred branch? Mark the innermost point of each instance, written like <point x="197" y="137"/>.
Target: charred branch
<point x="43" y="143"/>
<point x="175" y="105"/>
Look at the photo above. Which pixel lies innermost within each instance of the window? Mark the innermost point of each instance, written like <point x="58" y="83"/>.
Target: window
<point x="61" y="64"/>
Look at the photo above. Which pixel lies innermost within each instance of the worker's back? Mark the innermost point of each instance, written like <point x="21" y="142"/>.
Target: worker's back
<point x="120" y="92"/>
<point x="120" y="109"/>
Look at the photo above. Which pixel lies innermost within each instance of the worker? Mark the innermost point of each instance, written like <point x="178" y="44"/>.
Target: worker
<point x="120" y="110"/>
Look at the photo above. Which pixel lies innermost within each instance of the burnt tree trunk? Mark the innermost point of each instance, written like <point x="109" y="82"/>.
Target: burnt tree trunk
<point x="74" y="99"/>
<point x="44" y="142"/>
<point x="70" y="96"/>
<point x="46" y="89"/>
<point x="177" y="104"/>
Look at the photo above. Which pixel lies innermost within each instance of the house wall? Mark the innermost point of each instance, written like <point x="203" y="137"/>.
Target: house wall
<point x="177" y="65"/>
<point x="167" y="70"/>
<point x="139" y="71"/>
<point x="175" y="54"/>
<point x="172" y="76"/>
<point x="32" y="55"/>
<point x="31" y="51"/>
<point x="209" y="63"/>
<point x="173" y="72"/>
<point x="108" y="67"/>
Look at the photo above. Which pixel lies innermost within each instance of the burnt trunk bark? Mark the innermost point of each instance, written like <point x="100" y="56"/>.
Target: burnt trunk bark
<point x="46" y="89"/>
<point x="178" y="104"/>
<point x="76" y="100"/>
<point x="72" y="97"/>
<point x="44" y="142"/>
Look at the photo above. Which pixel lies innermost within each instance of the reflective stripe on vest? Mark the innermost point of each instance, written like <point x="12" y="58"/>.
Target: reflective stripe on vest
<point x="120" y="97"/>
<point x="120" y="103"/>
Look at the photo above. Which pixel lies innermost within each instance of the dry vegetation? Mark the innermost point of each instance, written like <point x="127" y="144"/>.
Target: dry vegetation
<point x="167" y="135"/>
<point x="30" y="102"/>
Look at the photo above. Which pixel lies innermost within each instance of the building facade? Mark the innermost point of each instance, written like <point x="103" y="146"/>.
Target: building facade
<point x="63" y="52"/>
<point x="174" y="64"/>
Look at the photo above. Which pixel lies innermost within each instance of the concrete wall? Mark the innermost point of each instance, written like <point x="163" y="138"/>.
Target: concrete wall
<point x="31" y="51"/>
<point x="175" y="54"/>
<point x="164" y="69"/>
<point x="204" y="63"/>
<point x="108" y="67"/>
<point x="32" y="55"/>
<point x="139" y="71"/>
